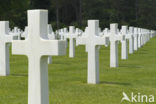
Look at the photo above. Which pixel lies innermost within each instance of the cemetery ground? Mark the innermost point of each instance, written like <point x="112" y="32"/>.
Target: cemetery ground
<point x="68" y="78"/>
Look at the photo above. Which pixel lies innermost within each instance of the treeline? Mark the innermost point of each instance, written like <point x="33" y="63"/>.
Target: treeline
<point x="141" y="13"/>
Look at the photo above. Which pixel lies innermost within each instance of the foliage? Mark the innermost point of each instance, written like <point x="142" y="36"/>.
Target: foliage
<point x="139" y="13"/>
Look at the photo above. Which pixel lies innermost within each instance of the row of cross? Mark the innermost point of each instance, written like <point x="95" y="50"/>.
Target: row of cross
<point x="93" y="38"/>
<point x="40" y="43"/>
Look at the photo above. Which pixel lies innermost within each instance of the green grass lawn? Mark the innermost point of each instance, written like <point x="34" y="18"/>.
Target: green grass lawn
<point x="68" y="78"/>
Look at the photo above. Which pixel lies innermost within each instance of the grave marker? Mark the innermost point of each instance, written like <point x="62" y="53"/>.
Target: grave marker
<point x="139" y="37"/>
<point x="5" y="39"/>
<point x="92" y="40"/>
<point x="114" y="38"/>
<point x="135" y="39"/>
<point x="37" y="47"/>
<point x="131" y="40"/>
<point x="72" y="37"/>
<point x="124" y="51"/>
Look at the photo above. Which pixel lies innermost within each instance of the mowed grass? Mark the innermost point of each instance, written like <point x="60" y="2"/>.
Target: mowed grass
<point x="68" y="78"/>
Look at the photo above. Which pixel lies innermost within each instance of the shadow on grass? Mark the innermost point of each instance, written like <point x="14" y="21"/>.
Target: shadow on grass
<point x="20" y="75"/>
<point x="141" y="53"/>
<point x="115" y="83"/>
<point x="130" y="66"/>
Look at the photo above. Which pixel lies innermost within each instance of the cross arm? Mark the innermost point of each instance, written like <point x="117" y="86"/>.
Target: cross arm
<point x="100" y="40"/>
<point x="71" y="36"/>
<point x="81" y="41"/>
<point x="129" y="36"/>
<point x="120" y="37"/>
<point x="9" y="38"/>
<point x="19" y="47"/>
<point x="52" y="47"/>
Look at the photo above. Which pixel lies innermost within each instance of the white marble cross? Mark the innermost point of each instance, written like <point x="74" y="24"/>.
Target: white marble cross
<point x="146" y="36"/>
<point x="51" y="34"/>
<point x="72" y="35"/>
<point x="83" y="35"/>
<point x="143" y="36"/>
<point x="153" y="34"/>
<point x="65" y="31"/>
<point x="148" y="32"/>
<point x="106" y="35"/>
<point x="61" y="34"/>
<point x="25" y="33"/>
<point x="135" y="38"/>
<point x="124" y="49"/>
<point x="16" y="33"/>
<point x="139" y="37"/>
<point x="92" y="40"/>
<point x="130" y="36"/>
<point x="5" y="39"/>
<point x="37" y="48"/>
<point x="114" y="38"/>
